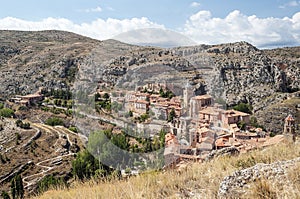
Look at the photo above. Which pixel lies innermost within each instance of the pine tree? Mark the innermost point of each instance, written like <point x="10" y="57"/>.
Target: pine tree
<point x="17" y="188"/>
<point x="13" y="188"/>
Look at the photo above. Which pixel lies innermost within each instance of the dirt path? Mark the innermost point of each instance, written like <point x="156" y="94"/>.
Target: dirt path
<point x="44" y="164"/>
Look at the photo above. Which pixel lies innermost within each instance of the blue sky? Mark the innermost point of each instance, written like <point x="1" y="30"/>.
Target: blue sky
<point x="104" y="18"/>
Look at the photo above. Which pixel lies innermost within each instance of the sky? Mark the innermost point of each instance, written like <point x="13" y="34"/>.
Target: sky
<point x="264" y="23"/>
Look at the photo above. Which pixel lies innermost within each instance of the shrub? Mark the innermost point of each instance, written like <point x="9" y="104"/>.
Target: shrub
<point x="74" y="129"/>
<point x="143" y="117"/>
<point x="85" y="165"/>
<point x="171" y="115"/>
<point x="242" y="125"/>
<point x="272" y="134"/>
<point x="23" y="108"/>
<point x="6" y="112"/>
<point x="19" y="123"/>
<point x="22" y="125"/>
<point x="106" y="96"/>
<point x="262" y="189"/>
<point x="25" y="125"/>
<point x="54" y="121"/>
<point x="246" y="108"/>
<point x="50" y="182"/>
<point x="245" y="163"/>
<point x="5" y="195"/>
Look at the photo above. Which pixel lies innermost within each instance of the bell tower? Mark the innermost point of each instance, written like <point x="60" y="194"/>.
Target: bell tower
<point x="289" y="126"/>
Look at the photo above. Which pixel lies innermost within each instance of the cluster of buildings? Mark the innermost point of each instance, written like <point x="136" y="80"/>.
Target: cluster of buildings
<point x="204" y="127"/>
<point x="199" y="125"/>
<point x="205" y="136"/>
<point x="147" y="100"/>
<point x="27" y="100"/>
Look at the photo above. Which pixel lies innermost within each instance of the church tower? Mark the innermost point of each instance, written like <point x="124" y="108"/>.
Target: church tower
<point x="289" y="126"/>
<point x="188" y="92"/>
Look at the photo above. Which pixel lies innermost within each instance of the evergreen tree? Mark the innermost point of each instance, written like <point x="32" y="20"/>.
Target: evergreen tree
<point x="17" y="189"/>
<point x="171" y="115"/>
<point x="19" y="186"/>
<point x="13" y="188"/>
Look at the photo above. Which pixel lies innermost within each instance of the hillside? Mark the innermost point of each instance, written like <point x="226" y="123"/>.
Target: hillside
<point x="233" y="73"/>
<point x="37" y="152"/>
<point x="203" y="180"/>
<point x="68" y="69"/>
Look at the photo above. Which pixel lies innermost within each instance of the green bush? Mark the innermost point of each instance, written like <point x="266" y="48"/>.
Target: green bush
<point x="1" y="105"/>
<point x="106" y="96"/>
<point x="6" y="112"/>
<point x="22" y="125"/>
<point x="54" y="121"/>
<point x="23" y="108"/>
<point x="74" y="129"/>
<point x="171" y="115"/>
<point x="5" y="195"/>
<point x="50" y="182"/>
<point x="246" y="108"/>
<point x="85" y="165"/>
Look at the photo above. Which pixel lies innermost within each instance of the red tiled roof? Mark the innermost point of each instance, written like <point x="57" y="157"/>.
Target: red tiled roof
<point x="235" y="113"/>
<point x="31" y="96"/>
<point x="198" y="97"/>
<point x="142" y="102"/>
<point x="142" y="94"/>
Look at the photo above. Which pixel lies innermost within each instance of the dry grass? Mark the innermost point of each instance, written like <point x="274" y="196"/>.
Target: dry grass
<point x="196" y="181"/>
<point x="263" y="189"/>
<point x="270" y="189"/>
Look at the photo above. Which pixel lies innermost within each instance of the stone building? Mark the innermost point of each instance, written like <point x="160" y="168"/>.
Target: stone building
<point x="289" y="126"/>
<point x="199" y="102"/>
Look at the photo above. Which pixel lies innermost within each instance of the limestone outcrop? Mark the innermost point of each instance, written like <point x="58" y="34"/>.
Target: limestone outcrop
<point x="235" y="185"/>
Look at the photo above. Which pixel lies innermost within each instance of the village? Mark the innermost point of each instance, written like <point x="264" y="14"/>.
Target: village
<point x="195" y="125"/>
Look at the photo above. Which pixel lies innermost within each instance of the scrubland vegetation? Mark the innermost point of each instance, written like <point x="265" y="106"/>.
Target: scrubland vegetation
<point x="196" y="180"/>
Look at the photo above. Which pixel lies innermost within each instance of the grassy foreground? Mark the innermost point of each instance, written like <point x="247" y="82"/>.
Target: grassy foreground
<point x="197" y="180"/>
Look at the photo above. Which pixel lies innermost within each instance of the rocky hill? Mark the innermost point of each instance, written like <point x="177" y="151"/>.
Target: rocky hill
<point x="234" y="72"/>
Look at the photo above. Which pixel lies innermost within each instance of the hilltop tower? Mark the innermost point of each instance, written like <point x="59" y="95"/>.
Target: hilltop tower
<point x="289" y="126"/>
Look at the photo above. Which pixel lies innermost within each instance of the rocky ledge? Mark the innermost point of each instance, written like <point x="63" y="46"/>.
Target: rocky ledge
<point x="235" y="185"/>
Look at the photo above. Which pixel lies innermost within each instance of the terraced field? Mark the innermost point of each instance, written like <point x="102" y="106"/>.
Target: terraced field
<point x="35" y="153"/>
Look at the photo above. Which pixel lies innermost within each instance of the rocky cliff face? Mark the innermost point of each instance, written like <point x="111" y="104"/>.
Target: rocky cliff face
<point x="235" y="72"/>
<point x="239" y="72"/>
<point x="29" y="60"/>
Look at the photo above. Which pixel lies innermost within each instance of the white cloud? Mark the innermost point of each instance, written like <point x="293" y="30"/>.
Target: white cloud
<point x="290" y="4"/>
<point x="195" y="4"/>
<point x="262" y="32"/>
<point x="110" y="8"/>
<point x="98" y="29"/>
<point x="201" y="27"/>
<point x="97" y="9"/>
